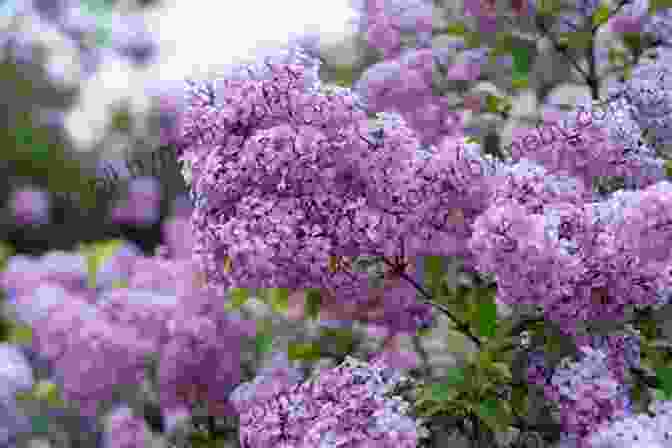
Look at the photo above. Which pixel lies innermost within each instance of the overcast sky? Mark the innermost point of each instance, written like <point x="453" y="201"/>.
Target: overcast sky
<point x="198" y="37"/>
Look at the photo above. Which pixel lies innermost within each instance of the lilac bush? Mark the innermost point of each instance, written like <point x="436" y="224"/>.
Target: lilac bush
<point x="576" y="268"/>
<point x="126" y="430"/>
<point x="292" y="188"/>
<point x="30" y="206"/>
<point x="305" y="414"/>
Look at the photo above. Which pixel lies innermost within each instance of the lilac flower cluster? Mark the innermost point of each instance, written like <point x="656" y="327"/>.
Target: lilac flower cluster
<point x="347" y="405"/>
<point x="639" y="430"/>
<point x="272" y="167"/>
<point x="15" y="376"/>
<point x="141" y="309"/>
<point x="404" y="84"/>
<point x="634" y="17"/>
<point x="30" y="206"/>
<point x="141" y="205"/>
<point x="590" y="393"/>
<point x="385" y="21"/>
<point x="291" y="184"/>
<point x="570" y="252"/>
<point x="587" y="393"/>
<point x="129" y="37"/>
<point x="256" y="223"/>
<point x="650" y="93"/>
<point x="126" y="430"/>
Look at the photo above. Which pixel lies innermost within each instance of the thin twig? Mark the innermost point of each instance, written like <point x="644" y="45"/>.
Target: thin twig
<point x="461" y="326"/>
<point x="562" y="50"/>
<point x="424" y="357"/>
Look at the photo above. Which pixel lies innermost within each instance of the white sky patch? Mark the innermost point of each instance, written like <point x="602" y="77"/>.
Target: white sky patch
<point x="200" y="38"/>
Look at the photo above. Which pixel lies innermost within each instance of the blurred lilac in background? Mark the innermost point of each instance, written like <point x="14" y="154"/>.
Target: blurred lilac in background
<point x="30" y="206"/>
<point x="141" y="206"/>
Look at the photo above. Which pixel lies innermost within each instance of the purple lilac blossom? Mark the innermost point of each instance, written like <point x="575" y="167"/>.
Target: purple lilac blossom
<point x="592" y="148"/>
<point x="30" y="206"/>
<point x="91" y="355"/>
<point x="141" y="206"/>
<point x="126" y="430"/>
<point x="131" y="39"/>
<point x="302" y="415"/>
<point x="578" y="17"/>
<point x="600" y="271"/>
<point x="172" y="103"/>
<point x="129" y="36"/>
<point x="24" y="274"/>
<point x="637" y="431"/>
<point x="634" y="17"/>
<point x="15" y="373"/>
<point x="145" y="310"/>
<point x="403" y="85"/>
<point x="650" y="92"/>
<point x="12" y="423"/>
<point x="407" y="16"/>
<point x="178" y="236"/>
<point x="200" y="361"/>
<point x="587" y="393"/>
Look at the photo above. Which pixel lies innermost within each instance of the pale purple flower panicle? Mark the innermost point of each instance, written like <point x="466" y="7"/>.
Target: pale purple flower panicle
<point x="30" y="206"/>
<point x="126" y="430"/>
<point x="15" y="372"/>
<point x="348" y="405"/>
<point x="141" y="206"/>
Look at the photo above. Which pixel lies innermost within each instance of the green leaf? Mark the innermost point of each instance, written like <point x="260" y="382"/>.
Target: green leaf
<point x="484" y="318"/>
<point x="668" y="168"/>
<point x="119" y="284"/>
<point x="492" y="103"/>
<point x="6" y="251"/>
<point x="40" y="423"/>
<point x="435" y="269"/>
<point x="664" y="375"/>
<point x="520" y="83"/>
<point x="601" y="15"/>
<point x="472" y="40"/>
<point x="313" y="303"/>
<point x="263" y="342"/>
<point x="449" y="386"/>
<point x="501" y="370"/>
<point x="633" y="41"/>
<point x="615" y="56"/>
<point x="303" y="352"/>
<point x="457" y="342"/>
<point x="578" y="40"/>
<point x="659" y="395"/>
<point x="454" y="376"/>
<point x="238" y="298"/>
<point x="519" y="400"/>
<point x="278" y="299"/>
<point x="503" y="46"/>
<point x="657" y="5"/>
<point x="457" y="29"/>
<point x="521" y="61"/>
<point x="48" y="391"/>
<point x="342" y="339"/>
<point x="95" y="6"/>
<point x="495" y="413"/>
<point x="548" y="7"/>
<point x="443" y="392"/>
<point x="20" y="334"/>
